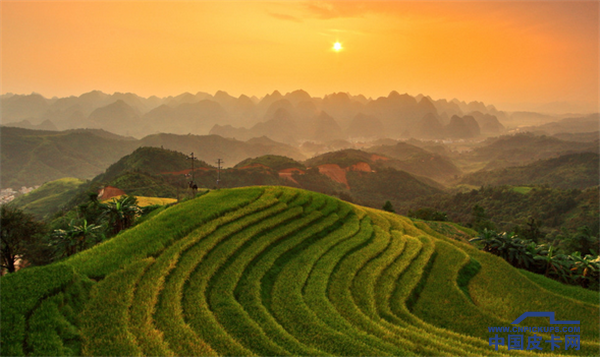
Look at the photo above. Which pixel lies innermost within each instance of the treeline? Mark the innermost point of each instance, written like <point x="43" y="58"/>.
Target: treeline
<point x="580" y="267"/>
<point x="546" y="231"/>
<point x="551" y="210"/>
<point x="27" y="241"/>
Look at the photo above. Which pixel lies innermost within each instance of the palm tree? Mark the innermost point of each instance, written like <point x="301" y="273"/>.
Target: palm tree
<point x="121" y="213"/>
<point x="75" y="239"/>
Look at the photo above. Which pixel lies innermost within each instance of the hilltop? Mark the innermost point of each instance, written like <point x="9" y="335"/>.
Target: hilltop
<point x="553" y="209"/>
<point x="522" y="149"/>
<point x="152" y="160"/>
<point x="279" y="271"/>
<point x="418" y="161"/>
<point x="579" y="171"/>
<point x="32" y="157"/>
<point x="50" y="197"/>
<point x="353" y="175"/>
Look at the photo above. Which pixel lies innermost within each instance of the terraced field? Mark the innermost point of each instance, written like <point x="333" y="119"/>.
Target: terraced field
<point x="277" y="271"/>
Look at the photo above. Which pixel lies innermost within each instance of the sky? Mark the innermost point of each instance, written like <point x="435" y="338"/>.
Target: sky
<point x="515" y="55"/>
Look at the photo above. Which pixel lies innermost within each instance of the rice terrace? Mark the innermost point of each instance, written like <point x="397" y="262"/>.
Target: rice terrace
<point x="275" y="271"/>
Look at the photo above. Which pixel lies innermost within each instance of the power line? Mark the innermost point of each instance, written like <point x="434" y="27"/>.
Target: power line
<point x="219" y="162"/>
<point x="193" y="175"/>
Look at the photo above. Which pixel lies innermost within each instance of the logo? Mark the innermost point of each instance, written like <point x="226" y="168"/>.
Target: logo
<point x="542" y="314"/>
<point x="517" y="342"/>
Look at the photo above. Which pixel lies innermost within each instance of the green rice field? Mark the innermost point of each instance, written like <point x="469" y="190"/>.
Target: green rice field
<point x="273" y="271"/>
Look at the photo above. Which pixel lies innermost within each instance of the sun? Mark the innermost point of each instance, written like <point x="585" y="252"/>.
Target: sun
<point x="337" y="47"/>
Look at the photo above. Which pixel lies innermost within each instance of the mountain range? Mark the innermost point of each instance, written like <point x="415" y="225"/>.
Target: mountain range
<point x="295" y="116"/>
<point x="32" y="157"/>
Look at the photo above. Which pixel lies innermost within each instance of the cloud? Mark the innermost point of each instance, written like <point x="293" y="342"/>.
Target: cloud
<point x="285" y="17"/>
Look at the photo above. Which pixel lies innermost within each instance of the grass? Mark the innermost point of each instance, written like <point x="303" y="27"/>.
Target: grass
<point x="143" y="201"/>
<point x="570" y="291"/>
<point x="49" y="197"/>
<point x="522" y="189"/>
<point x="105" y="327"/>
<point x="278" y="271"/>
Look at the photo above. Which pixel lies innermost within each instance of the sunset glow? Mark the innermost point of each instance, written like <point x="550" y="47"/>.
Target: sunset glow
<point x="515" y="55"/>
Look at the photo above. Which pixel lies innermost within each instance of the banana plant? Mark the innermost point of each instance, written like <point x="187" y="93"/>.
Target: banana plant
<point x="555" y="264"/>
<point x="74" y="239"/>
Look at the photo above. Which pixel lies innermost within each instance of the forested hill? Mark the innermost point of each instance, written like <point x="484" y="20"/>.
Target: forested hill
<point x="523" y="149"/>
<point x="508" y="207"/>
<point x="32" y="157"/>
<point x="579" y="170"/>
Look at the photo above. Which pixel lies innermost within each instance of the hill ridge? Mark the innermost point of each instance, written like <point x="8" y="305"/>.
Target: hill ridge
<point x="274" y="271"/>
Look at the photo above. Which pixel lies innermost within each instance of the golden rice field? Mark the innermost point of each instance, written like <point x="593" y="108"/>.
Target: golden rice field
<point x="272" y="271"/>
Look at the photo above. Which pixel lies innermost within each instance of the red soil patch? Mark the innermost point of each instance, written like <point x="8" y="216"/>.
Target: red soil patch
<point x="361" y="166"/>
<point x="287" y="173"/>
<point x="376" y="157"/>
<point x="293" y="170"/>
<point x="251" y="166"/>
<point x="334" y="172"/>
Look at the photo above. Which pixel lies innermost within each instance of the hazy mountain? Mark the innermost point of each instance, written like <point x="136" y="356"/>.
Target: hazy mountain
<point x="586" y="124"/>
<point x="19" y="107"/>
<point x="365" y="127"/>
<point x="26" y="124"/>
<point x="428" y="127"/>
<point x="209" y="148"/>
<point x="32" y="157"/>
<point x="307" y="109"/>
<point x="579" y="137"/>
<point x="283" y="104"/>
<point x="298" y="96"/>
<point x="266" y="102"/>
<point x="417" y="161"/>
<point x="325" y="128"/>
<point x="182" y="98"/>
<point x="489" y="124"/>
<point x="224" y="99"/>
<point x="472" y="124"/>
<point x="444" y="106"/>
<point x="198" y="117"/>
<point x="568" y="171"/>
<point x="341" y="106"/>
<point x="118" y="117"/>
<point x="265" y="145"/>
<point x="394" y="116"/>
<point x="462" y="127"/>
<point x="281" y="126"/>
<point x="522" y="149"/>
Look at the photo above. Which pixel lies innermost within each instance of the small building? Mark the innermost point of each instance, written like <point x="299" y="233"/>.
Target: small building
<point x="107" y="192"/>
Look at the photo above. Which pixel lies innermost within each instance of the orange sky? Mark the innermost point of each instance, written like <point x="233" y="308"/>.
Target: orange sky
<point x="515" y="55"/>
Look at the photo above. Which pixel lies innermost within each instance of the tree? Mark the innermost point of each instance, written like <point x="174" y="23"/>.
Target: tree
<point x="428" y="214"/>
<point x="120" y="214"/>
<point x="21" y="237"/>
<point x="388" y="207"/>
<point x="480" y="220"/>
<point x="75" y="239"/>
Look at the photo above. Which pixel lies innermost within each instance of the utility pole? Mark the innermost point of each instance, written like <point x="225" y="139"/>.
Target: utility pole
<point x="219" y="162"/>
<point x="193" y="176"/>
